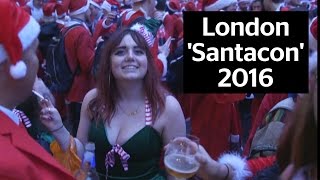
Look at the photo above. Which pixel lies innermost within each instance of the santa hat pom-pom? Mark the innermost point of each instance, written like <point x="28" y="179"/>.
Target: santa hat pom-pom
<point x="19" y="70"/>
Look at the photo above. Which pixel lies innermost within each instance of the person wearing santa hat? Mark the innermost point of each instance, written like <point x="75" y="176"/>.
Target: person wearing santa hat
<point x="96" y="13"/>
<point x="21" y="156"/>
<point x="80" y="54"/>
<point x="220" y="5"/>
<point x="34" y="8"/>
<point x="106" y="14"/>
<point x="243" y="5"/>
<point x="256" y="5"/>
<point x="126" y="5"/>
<point x="174" y="24"/>
<point x="273" y="5"/>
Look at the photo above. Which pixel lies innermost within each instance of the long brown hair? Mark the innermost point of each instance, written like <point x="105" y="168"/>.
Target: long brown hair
<point x="103" y="106"/>
<point x="298" y="144"/>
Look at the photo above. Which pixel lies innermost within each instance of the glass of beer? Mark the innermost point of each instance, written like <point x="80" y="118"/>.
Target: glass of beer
<point x="180" y="159"/>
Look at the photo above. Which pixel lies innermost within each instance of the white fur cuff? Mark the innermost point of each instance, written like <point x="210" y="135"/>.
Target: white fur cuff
<point x="238" y="164"/>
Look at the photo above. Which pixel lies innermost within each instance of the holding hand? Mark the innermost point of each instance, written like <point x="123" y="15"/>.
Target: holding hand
<point x="50" y="117"/>
<point x="111" y="17"/>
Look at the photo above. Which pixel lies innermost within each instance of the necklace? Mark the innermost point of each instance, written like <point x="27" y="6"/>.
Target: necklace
<point x="132" y="113"/>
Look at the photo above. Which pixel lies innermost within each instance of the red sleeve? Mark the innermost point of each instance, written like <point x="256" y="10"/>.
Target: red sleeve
<point x="267" y="103"/>
<point x="100" y="31"/>
<point x="85" y="58"/>
<point x="158" y="63"/>
<point x="258" y="164"/>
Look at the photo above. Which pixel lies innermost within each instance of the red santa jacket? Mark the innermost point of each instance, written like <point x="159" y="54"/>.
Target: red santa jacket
<point x="215" y="120"/>
<point x="23" y="158"/>
<point x="174" y="25"/>
<point x="80" y="53"/>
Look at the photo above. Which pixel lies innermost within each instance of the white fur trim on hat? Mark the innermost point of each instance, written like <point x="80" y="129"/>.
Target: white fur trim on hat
<point x="106" y="6"/>
<point x="81" y="10"/>
<point x="95" y="4"/>
<point x="19" y="70"/>
<point x="173" y="10"/>
<point x="164" y="61"/>
<point x="238" y="164"/>
<point x="218" y="5"/>
<point x="27" y="35"/>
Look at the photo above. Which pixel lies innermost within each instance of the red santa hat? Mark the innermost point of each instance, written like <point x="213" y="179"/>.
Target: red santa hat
<point x="313" y="34"/>
<point x="174" y="5"/>
<point x="48" y="12"/>
<point x="217" y="5"/>
<point x="98" y="2"/>
<point x="190" y="6"/>
<point x="106" y="5"/>
<point x="48" y="9"/>
<point x="18" y="31"/>
<point x="78" y="7"/>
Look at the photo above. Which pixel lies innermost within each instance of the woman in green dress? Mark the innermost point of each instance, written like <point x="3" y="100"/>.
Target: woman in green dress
<point x="129" y="115"/>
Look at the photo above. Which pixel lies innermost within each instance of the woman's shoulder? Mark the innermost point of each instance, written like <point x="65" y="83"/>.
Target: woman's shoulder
<point x="172" y="106"/>
<point x="171" y="101"/>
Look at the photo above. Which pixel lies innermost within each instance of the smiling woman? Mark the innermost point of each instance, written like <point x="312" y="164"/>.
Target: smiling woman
<point x="129" y="61"/>
<point x="129" y="109"/>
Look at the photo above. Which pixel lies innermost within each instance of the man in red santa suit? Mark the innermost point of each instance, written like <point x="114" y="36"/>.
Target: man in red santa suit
<point x="21" y="156"/>
<point x="80" y="54"/>
<point x="220" y="5"/>
<point x="176" y="22"/>
<point x="106" y="14"/>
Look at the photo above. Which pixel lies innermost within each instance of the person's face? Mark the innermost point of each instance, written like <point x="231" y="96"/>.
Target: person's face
<point x="88" y="16"/>
<point x="127" y="2"/>
<point x="256" y="6"/>
<point x="31" y="60"/>
<point x="151" y="7"/>
<point x="94" y="10"/>
<point x="37" y="3"/>
<point x="129" y="61"/>
<point x="105" y="12"/>
<point x="232" y="7"/>
<point x="243" y="5"/>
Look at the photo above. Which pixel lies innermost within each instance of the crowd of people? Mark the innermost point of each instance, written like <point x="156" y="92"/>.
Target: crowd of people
<point x="126" y="95"/>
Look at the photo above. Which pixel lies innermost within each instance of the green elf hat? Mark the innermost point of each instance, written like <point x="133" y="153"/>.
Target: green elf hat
<point x="148" y="29"/>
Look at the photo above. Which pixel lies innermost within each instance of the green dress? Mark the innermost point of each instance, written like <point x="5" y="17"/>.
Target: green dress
<point x="144" y="149"/>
